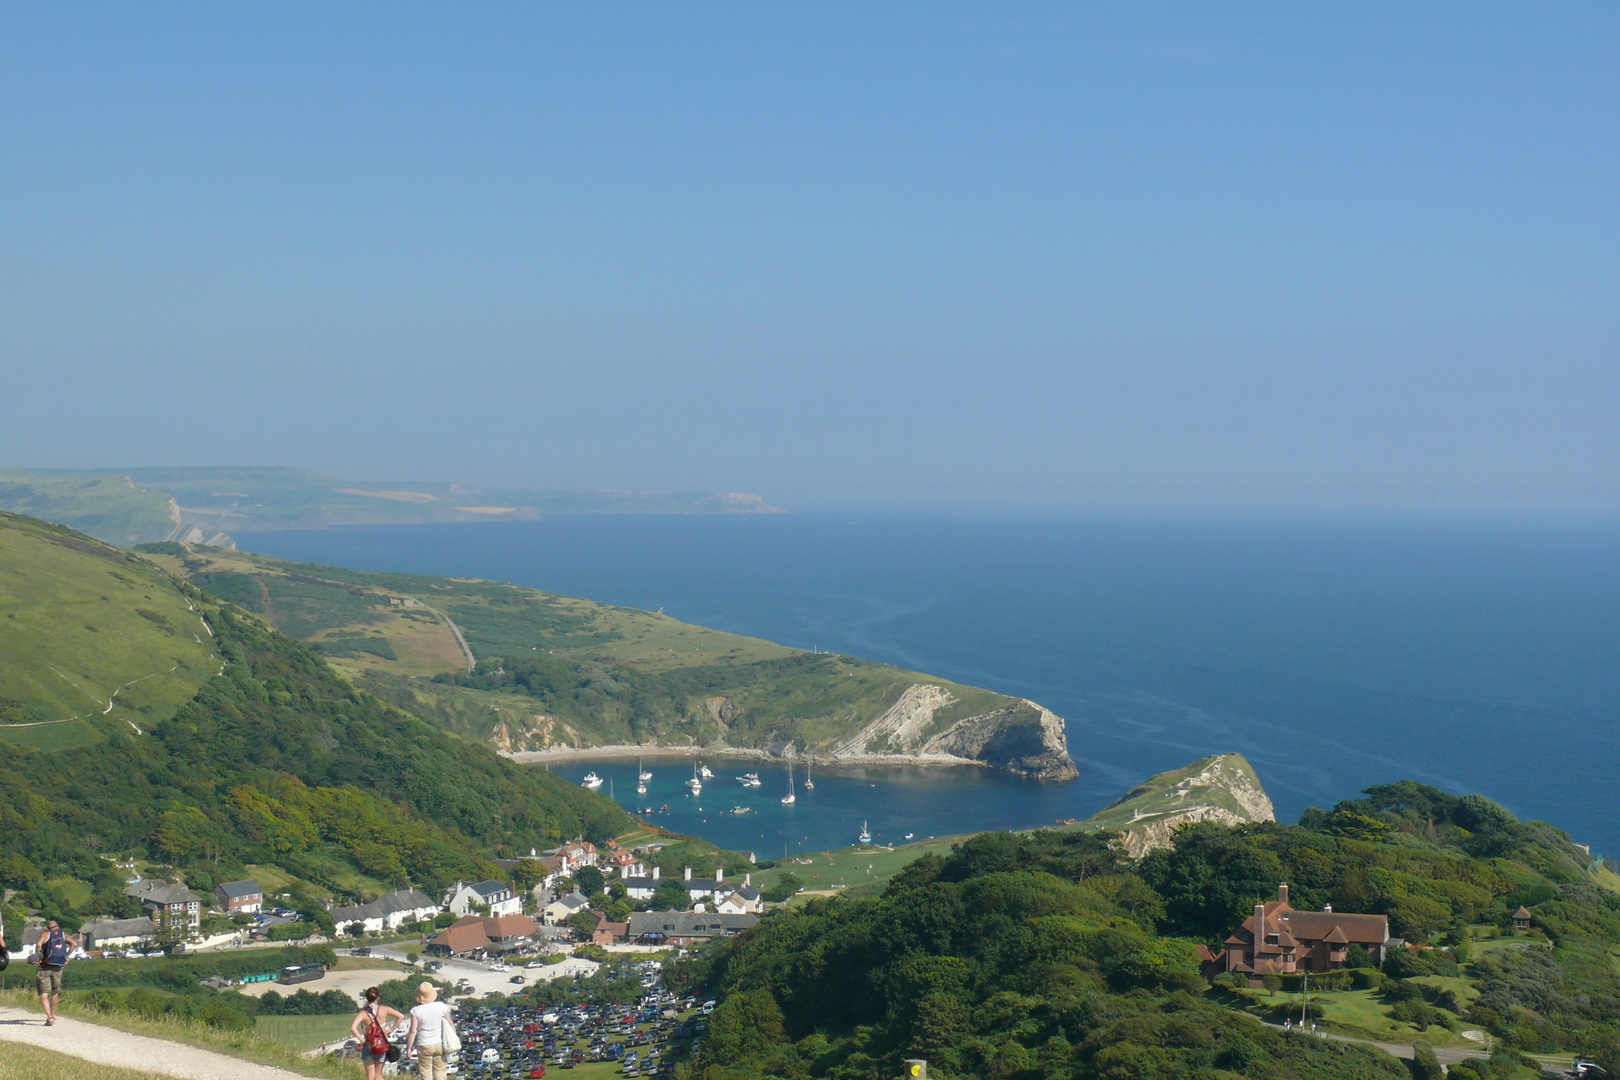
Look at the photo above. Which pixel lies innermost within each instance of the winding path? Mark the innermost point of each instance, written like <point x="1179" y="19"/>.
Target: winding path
<point x="109" y="1046"/>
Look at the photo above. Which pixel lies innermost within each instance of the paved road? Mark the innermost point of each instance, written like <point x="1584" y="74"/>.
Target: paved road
<point x="485" y="981"/>
<point x="108" y="1046"/>
<point x="1446" y="1055"/>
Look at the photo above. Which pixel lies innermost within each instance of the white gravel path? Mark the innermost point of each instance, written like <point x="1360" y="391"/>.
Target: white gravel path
<point x="108" y="1046"/>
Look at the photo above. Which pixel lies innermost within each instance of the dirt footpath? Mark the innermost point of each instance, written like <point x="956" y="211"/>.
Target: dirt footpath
<point x="108" y="1046"/>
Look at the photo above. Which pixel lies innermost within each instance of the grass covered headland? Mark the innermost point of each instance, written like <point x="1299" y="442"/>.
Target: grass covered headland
<point x="1050" y="954"/>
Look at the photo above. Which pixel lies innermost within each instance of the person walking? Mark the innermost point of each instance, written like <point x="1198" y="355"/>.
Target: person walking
<point x="51" y="953"/>
<point x="374" y="1015"/>
<point x="429" y="1020"/>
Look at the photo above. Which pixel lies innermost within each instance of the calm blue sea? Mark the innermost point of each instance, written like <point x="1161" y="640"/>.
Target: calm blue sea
<point x="1470" y="654"/>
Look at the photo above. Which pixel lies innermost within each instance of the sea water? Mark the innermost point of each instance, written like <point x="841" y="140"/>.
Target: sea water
<point x="1471" y="654"/>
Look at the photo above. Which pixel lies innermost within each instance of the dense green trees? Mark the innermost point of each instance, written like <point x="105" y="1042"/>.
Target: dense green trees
<point x="1046" y="954"/>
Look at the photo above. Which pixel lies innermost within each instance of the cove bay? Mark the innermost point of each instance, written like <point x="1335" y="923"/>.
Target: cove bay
<point x="1471" y="654"/>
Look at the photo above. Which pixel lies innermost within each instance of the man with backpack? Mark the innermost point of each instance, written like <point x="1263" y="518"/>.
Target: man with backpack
<point x="51" y="953"/>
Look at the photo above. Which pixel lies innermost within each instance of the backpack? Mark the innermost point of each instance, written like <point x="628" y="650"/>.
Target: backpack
<point x="376" y="1038"/>
<point x="56" y="949"/>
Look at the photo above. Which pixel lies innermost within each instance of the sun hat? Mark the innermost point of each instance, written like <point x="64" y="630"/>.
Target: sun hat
<point x="426" y="992"/>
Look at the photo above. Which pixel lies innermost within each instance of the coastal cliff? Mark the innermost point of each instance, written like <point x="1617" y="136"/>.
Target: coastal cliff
<point x="539" y="676"/>
<point x="1221" y="788"/>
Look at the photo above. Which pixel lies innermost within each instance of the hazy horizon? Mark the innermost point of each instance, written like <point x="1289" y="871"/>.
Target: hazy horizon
<point x="927" y="257"/>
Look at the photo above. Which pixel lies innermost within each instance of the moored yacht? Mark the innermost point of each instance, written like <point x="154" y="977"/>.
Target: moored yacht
<point x="866" y="834"/>
<point x="809" y="784"/>
<point x="789" y="799"/>
<point x="591" y="781"/>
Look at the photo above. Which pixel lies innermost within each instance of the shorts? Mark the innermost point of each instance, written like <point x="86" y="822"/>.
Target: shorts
<point x="48" y="979"/>
<point x="367" y="1057"/>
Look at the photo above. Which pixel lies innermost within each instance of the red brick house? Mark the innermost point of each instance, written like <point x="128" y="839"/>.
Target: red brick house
<point x="1280" y="940"/>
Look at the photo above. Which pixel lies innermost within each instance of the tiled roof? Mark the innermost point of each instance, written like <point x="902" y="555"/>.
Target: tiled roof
<point x="463" y="937"/>
<point x="687" y="923"/>
<point x="236" y="890"/>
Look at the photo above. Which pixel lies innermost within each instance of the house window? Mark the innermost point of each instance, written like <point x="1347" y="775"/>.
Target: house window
<point x="1271" y="939"/>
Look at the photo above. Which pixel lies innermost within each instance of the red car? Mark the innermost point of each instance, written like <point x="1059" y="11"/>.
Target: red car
<point x="537" y="1072"/>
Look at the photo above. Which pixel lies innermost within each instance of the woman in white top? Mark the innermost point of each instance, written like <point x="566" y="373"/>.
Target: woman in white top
<point x="428" y="1022"/>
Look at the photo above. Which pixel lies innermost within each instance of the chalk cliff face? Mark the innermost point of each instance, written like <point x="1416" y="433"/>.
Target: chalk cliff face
<point x="1022" y="737"/>
<point x="1222" y="788"/>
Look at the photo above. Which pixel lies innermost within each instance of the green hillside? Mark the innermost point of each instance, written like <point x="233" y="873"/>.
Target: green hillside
<point x="553" y="670"/>
<point x="1055" y="953"/>
<point x="274" y="760"/>
<point x="90" y="631"/>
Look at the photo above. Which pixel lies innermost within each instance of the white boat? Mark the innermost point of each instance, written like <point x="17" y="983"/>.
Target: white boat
<point x="789" y="799"/>
<point x="809" y="784"/>
<point x="591" y="781"/>
<point x="749" y="779"/>
<point x="910" y="835"/>
<point x="866" y="834"/>
<point x="642" y="777"/>
<point x="741" y="810"/>
<point x="695" y="784"/>
<point x="705" y="772"/>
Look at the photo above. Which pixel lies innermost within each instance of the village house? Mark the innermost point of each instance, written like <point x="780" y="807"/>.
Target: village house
<point x="698" y="889"/>
<point x="115" y="933"/>
<point x="1280" y="940"/>
<point x="487" y="935"/>
<point x="389" y="911"/>
<point x="239" y="896"/>
<point x="168" y="904"/>
<point x="743" y="900"/>
<point x="1521" y="918"/>
<point x="684" y="927"/>
<point x="559" y="911"/>
<point x="610" y="933"/>
<point x="498" y="898"/>
<point x="574" y="855"/>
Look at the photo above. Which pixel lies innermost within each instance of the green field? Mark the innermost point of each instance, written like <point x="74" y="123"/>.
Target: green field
<point x="303" y="1032"/>
<point x="86" y="641"/>
<point x="856" y="869"/>
<point x="109" y="507"/>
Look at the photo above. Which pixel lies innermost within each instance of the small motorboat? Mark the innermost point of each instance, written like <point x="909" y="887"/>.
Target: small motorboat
<point x="591" y="781"/>
<point x="741" y="810"/>
<point x="910" y="835"/>
<point x="705" y="772"/>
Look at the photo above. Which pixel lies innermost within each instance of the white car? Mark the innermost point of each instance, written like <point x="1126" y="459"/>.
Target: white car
<point x="499" y="967"/>
<point x="534" y="964"/>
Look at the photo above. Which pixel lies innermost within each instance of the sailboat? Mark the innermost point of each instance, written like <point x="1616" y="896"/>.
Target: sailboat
<point x="809" y="784"/>
<point x="695" y="784"/>
<point x="866" y="834"/>
<point x="789" y="799"/>
<point x="641" y="786"/>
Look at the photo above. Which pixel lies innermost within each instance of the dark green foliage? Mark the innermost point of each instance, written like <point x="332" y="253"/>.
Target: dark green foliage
<point x="786" y="885"/>
<point x="1016" y="956"/>
<point x="178" y="973"/>
<point x="1425" y="1066"/>
<point x="589" y="880"/>
<point x="304" y="1003"/>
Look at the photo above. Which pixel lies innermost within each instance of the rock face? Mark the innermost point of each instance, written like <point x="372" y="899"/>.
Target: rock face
<point x="1222" y="788"/>
<point x="1022" y="737"/>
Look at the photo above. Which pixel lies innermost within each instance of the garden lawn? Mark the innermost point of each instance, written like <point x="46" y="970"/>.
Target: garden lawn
<point x="303" y="1032"/>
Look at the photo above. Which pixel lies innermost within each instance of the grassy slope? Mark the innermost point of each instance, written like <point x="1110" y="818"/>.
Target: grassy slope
<point x="83" y="625"/>
<point x="814" y="698"/>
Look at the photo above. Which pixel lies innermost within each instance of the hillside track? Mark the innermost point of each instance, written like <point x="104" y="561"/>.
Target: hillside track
<point x="108" y="1046"/>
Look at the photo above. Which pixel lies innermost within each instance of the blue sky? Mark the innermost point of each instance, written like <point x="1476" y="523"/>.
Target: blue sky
<point x="922" y="255"/>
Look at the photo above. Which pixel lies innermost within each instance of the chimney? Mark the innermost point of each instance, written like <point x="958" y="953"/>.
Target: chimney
<point x="1328" y="908"/>
<point x="688" y="873"/>
<point x="1259" y="924"/>
<point x="748" y="879"/>
<point x="655" y="873"/>
<point x="1282" y="894"/>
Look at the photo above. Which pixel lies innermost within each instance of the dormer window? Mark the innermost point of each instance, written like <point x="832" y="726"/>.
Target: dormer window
<point x="1271" y="939"/>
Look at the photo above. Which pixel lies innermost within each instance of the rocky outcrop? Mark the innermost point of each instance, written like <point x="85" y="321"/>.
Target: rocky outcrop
<point x="1022" y="737"/>
<point x="1222" y="788"/>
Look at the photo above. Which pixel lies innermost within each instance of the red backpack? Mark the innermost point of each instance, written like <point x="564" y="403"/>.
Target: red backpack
<point x="376" y="1038"/>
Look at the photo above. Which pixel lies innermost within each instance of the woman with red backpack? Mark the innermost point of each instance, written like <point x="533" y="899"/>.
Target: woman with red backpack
<point x="371" y="1026"/>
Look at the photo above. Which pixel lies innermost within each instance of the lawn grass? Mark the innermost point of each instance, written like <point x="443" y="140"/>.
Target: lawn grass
<point x="853" y="868"/>
<point x="1360" y="1014"/>
<point x="301" y="1033"/>
<point x="20" y="1061"/>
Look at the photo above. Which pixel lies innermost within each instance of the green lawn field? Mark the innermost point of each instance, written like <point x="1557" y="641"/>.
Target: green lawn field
<point x="303" y="1032"/>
